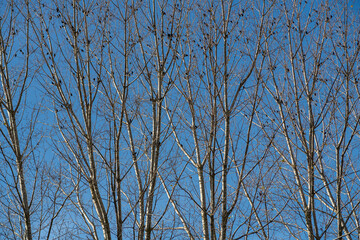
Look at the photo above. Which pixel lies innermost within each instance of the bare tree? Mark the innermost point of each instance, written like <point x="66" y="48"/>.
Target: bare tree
<point x="89" y="69"/>
<point x="155" y="42"/>
<point x="13" y="92"/>
<point x="29" y="202"/>
<point x="73" y="74"/>
<point x="212" y="120"/>
<point x="313" y="111"/>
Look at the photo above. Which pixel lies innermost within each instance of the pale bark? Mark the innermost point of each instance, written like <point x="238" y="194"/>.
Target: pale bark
<point x="10" y="104"/>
